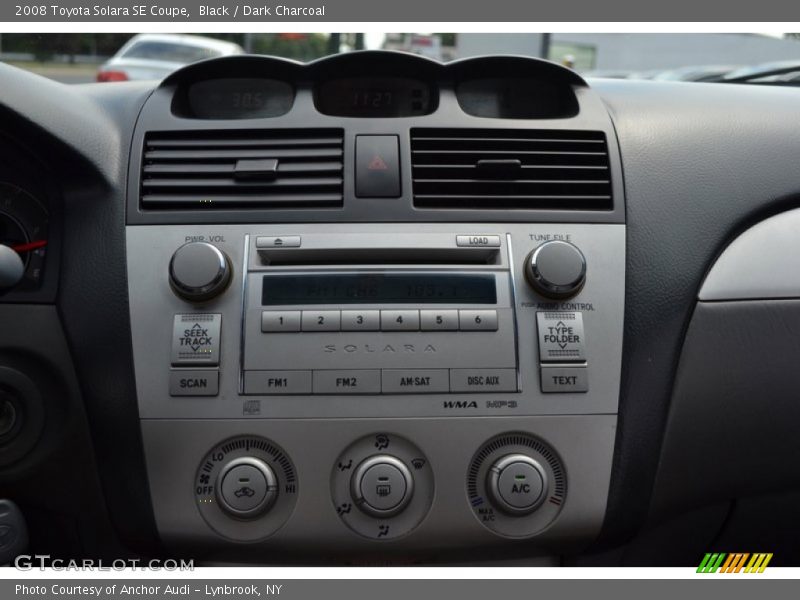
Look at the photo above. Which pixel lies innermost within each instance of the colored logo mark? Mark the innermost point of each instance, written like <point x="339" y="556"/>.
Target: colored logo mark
<point x="736" y="562"/>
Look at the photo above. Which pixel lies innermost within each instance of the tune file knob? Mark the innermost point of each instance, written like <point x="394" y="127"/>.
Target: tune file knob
<point x="199" y="271"/>
<point x="556" y="269"/>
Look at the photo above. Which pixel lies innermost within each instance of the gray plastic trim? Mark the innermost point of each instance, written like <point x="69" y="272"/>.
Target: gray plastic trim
<point x="763" y="262"/>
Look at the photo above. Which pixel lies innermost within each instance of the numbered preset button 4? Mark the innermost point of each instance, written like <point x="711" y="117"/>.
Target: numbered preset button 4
<point x="400" y="320"/>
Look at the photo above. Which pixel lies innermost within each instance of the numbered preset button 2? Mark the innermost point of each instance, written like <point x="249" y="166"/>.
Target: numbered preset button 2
<point x="321" y="320"/>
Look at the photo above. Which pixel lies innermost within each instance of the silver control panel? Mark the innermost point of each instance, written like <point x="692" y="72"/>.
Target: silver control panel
<point x="413" y="385"/>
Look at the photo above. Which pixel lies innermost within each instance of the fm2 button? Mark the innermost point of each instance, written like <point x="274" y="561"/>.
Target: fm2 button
<point x="377" y="166"/>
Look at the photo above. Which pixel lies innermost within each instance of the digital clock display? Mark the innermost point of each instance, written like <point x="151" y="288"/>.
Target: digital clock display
<point x="240" y="98"/>
<point x="378" y="288"/>
<point x="374" y="97"/>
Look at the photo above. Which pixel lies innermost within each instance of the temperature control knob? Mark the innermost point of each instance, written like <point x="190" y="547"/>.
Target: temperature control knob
<point x="556" y="269"/>
<point x="199" y="271"/>
<point x="517" y="484"/>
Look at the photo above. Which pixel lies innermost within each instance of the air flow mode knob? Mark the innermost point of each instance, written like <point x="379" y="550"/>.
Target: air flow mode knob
<point x="556" y="269"/>
<point x="199" y="271"/>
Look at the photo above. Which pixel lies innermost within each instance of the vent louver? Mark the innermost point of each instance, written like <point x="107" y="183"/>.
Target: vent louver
<point x="510" y="169"/>
<point x="242" y="169"/>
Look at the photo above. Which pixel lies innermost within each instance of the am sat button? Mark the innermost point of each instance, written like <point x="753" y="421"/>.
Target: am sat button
<point x="377" y="166"/>
<point x="193" y="383"/>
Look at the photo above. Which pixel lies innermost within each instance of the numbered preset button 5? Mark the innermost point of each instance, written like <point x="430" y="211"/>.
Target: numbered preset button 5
<point x="439" y="320"/>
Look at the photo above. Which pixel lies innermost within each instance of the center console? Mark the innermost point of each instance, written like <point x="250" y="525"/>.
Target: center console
<point x="357" y="336"/>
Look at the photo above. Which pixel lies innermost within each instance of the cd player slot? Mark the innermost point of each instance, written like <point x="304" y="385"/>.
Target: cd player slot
<point x="379" y="256"/>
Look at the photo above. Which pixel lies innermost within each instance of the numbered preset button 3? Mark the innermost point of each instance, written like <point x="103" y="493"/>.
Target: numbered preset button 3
<point x="361" y="320"/>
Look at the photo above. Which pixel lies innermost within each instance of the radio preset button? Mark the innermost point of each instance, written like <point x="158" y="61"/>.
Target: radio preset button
<point x="561" y="337"/>
<point x="194" y="383"/>
<point x="347" y="382"/>
<point x="361" y="320"/>
<point x="438" y="320"/>
<point x="277" y="321"/>
<point x="277" y="383"/>
<point x="399" y="320"/>
<point x="478" y="241"/>
<point x="195" y="339"/>
<point x="421" y="381"/>
<point x="483" y="380"/>
<point x="564" y="380"/>
<point x="321" y="320"/>
<point x="478" y="320"/>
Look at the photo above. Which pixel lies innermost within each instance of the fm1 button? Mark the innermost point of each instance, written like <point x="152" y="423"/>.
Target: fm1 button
<point x="382" y="486"/>
<point x="517" y="484"/>
<point x="246" y="487"/>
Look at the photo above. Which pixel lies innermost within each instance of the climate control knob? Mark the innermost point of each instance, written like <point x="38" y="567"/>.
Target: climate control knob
<point x="556" y="269"/>
<point x="247" y="487"/>
<point x="517" y="484"/>
<point x="382" y="486"/>
<point x="199" y="271"/>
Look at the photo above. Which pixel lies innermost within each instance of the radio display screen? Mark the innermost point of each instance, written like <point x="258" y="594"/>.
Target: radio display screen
<point x="378" y="288"/>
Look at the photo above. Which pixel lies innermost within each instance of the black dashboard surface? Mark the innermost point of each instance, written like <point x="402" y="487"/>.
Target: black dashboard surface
<point x="701" y="162"/>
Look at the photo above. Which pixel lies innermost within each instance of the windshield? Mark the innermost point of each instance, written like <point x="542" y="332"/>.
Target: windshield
<point x="692" y="57"/>
<point x="169" y="52"/>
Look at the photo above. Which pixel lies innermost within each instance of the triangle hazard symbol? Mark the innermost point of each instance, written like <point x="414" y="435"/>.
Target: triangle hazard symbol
<point x="377" y="164"/>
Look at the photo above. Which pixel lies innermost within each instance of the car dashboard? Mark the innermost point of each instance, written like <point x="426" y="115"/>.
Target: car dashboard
<point x="376" y="309"/>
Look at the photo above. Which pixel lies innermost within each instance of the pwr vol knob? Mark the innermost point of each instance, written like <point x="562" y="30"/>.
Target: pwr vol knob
<point x="199" y="271"/>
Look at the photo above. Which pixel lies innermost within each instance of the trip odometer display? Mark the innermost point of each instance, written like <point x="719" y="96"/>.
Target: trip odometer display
<point x="23" y="228"/>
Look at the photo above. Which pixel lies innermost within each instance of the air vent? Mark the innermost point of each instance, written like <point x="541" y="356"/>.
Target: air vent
<point x="242" y="169"/>
<point x="510" y="169"/>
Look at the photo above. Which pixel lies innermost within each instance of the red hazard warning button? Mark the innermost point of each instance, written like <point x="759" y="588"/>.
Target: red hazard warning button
<point x="377" y="166"/>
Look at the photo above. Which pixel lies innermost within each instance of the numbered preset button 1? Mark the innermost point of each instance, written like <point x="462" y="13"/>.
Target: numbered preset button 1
<point x="400" y="320"/>
<point x="438" y="320"/>
<point x="361" y="320"/>
<point x="321" y="320"/>
<point x="280" y="321"/>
